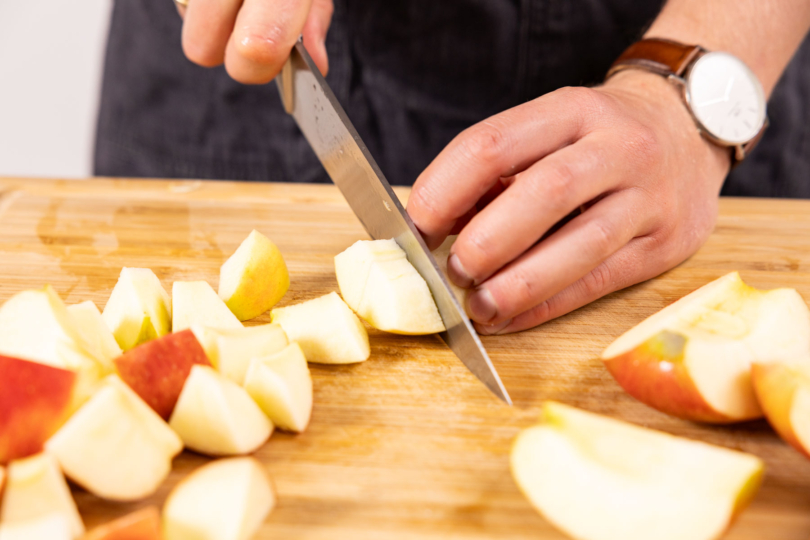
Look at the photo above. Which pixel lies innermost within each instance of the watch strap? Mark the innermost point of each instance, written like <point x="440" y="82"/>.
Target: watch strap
<point x="660" y="56"/>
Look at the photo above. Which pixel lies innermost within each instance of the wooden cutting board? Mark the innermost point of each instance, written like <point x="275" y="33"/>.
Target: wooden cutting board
<point x="408" y="444"/>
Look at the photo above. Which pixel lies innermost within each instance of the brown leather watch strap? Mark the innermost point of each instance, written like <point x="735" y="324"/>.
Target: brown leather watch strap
<point x="660" y="56"/>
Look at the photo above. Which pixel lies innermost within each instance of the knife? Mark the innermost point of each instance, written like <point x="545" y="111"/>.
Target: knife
<point x="307" y="97"/>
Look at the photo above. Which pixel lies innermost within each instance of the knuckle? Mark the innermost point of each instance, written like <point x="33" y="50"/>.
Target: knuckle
<point x="485" y="142"/>
<point x="598" y="282"/>
<point x="556" y="187"/>
<point x="522" y="290"/>
<point x="425" y="210"/>
<point x="603" y="236"/>
<point x="201" y="53"/>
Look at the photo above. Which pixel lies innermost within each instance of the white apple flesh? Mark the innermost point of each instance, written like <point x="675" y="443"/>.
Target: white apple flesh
<point x="95" y="333"/>
<point x="196" y="303"/>
<point x="230" y="350"/>
<point x="139" y="309"/>
<point x="50" y="527"/>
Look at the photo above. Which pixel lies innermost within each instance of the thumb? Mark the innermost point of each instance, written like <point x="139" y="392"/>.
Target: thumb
<point x="315" y="29"/>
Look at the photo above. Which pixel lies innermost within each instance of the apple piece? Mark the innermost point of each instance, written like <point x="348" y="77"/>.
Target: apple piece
<point x="441" y="254"/>
<point x="281" y="385"/>
<point x="50" y="527"/>
<point x="143" y="524"/>
<point x="116" y="446"/>
<point x="693" y="358"/>
<point x="382" y="286"/>
<point x="95" y="333"/>
<point x="36" y="488"/>
<point x="139" y="309"/>
<point x="157" y="370"/>
<point x="254" y="278"/>
<point x="327" y="330"/>
<point x="783" y="391"/>
<point x="217" y="417"/>
<point x="231" y="349"/>
<point x="196" y="303"/>
<point x="596" y="478"/>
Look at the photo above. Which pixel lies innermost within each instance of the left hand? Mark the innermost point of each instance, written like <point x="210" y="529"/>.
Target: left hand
<point x="628" y="153"/>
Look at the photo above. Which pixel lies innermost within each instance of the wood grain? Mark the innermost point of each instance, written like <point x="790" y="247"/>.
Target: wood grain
<point x="408" y="444"/>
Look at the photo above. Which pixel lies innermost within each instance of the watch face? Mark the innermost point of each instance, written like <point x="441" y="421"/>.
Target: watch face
<point x="726" y="98"/>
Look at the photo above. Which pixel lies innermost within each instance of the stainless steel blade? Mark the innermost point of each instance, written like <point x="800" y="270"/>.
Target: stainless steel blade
<point x="308" y="98"/>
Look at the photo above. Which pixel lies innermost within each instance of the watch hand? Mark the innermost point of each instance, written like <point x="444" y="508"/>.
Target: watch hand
<point x="711" y="102"/>
<point x="728" y="89"/>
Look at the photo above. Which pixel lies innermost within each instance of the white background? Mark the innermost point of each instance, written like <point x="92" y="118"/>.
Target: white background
<point x="51" y="54"/>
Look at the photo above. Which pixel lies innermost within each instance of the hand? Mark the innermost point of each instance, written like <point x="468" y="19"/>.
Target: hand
<point x="254" y="37"/>
<point x="627" y="154"/>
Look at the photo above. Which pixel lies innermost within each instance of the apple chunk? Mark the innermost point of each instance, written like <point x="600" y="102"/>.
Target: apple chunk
<point x="326" y="329"/>
<point x="783" y="391"/>
<point x="50" y="527"/>
<point x="254" y="278"/>
<point x="231" y="349"/>
<point x="693" y="358"/>
<point x="157" y="370"/>
<point x="116" y="446"/>
<point x="139" y="309"/>
<point x="217" y="417"/>
<point x="143" y="524"/>
<point x="95" y="333"/>
<point x="227" y="499"/>
<point x="195" y="302"/>
<point x="377" y="281"/>
<point x="596" y="478"/>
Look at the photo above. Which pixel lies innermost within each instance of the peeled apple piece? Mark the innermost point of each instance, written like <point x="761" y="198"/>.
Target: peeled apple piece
<point x="196" y="303"/>
<point x="377" y="281"/>
<point x="139" y="309"/>
<point x="231" y="349"/>
<point x="50" y="527"/>
<point x="95" y="333"/>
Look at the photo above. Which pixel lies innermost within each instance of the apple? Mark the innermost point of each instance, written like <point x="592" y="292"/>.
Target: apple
<point x="327" y="330"/>
<point x="693" y="358"/>
<point x="231" y="349"/>
<point x="217" y="417"/>
<point x="35" y="489"/>
<point x="139" y="309"/>
<point x="783" y="391"/>
<point x="254" y="278"/>
<point x="143" y="524"/>
<point x="157" y="370"/>
<point x="116" y="446"/>
<point x="50" y="527"/>
<point x="227" y="499"/>
<point x="195" y="302"/>
<point x="377" y="281"/>
<point x="596" y="478"/>
<point x="441" y="254"/>
<point x="95" y="333"/>
<point x="281" y="385"/>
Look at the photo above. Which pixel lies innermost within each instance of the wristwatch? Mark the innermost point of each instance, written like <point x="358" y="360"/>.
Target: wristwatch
<point x="722" y="94"/>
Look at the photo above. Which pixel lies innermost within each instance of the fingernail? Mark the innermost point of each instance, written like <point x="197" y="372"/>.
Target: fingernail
<point x="490" y="329"/>
<point x="482" y="306"/>
<point x="457" y="273"/>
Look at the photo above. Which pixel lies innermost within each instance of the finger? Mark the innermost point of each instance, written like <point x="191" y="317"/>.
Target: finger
<point x="263" y="36"/>
<point x="560" y="260"/>
<point x="207" y="27"/>
<point x="181" y="10"/>
<point x="315" y="29"/>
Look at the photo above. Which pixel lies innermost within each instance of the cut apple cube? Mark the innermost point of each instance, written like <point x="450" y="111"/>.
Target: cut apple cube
<point x="231" y="350"/>
<point x="254" y="278"/>
<point x="327" y="330"/>
<point x="94" y="332"/>
<point x="693" y="358"/>
<point x="116" y="446"/>
<point x="36" y="489"/>
<point x="139" y="309"/>
<point x="227" y="499"/>
<point x="382" y="286"/>
<point x="282" y="387"/>
<point x="783" y="391"/>
<point x="143" y="524"/>
<point x="217" y="417"/>
<point x="196" y="303"/>
<point x="50" y="527"/>
<point x="596" y="478"/>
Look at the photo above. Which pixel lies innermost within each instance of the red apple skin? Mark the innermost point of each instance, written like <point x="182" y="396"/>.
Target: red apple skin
<point x="157" y="370"/>
<point x="143" y="524"/>
<point x="775" y="386"/>
<point x="35" y="400"/>
<point x="654" y="373"/>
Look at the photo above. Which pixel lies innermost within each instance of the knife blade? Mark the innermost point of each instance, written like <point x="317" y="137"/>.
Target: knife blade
<point x="307" y="97"/>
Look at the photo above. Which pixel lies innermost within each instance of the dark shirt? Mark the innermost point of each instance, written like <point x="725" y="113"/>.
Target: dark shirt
<point x="411" y="75"/>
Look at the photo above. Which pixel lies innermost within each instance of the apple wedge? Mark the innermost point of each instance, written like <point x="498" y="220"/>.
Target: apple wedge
<point x="783" y="391"/>
<point x="217" y="417"/>
<point x="231" y="349"/>
<point x="254" y="278"/>
<point x="36" y="489"/>
<point x="596" y="478"/>
<point x="95" y="334"/>
<point x="143" y="524"/>
<point x="281" y="385"/>
<point x="377" y="281"/>
<point x="116" y="446"/>
<point x="195" y="302"/>
<point x="139" y="309"/>
<point x="327" y="330"/>
<point x="157" y="370"/>
<point x="227" y="499"/>
<point x="693" y="358"/>
<point x="50" y="527"/>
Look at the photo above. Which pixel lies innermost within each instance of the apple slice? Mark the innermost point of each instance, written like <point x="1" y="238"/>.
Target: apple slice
<point x="36" y="488"/>
<point x="157" y="370"/>
<point x="326" y="329"/>
<point x="693" y="358"/>
<point x="254" y="278"/>
<point x="596" y="478"/>
<point x="282" y="387"/>
<point x="231" y="349"/>
<point x="377" y="281"/>
<point x="116" y="446"/>
<point x="139" y="309"/>
<point x="195" y="302"/>
<point x="50" y="527"/>
<point x="783" y="391"/>
<point x="227" y="499"/>
<point x="143" y="524"/>
<point x="217" y="417"/>
<point x="96" y="335"/>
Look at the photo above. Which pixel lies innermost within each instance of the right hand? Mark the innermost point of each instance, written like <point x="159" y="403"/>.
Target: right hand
<point x="253" y="38"/>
